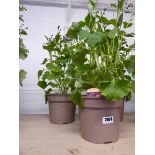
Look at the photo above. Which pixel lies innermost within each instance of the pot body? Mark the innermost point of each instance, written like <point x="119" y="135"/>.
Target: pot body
<point x="61" y="109"/>
<point x="99" y="120"/>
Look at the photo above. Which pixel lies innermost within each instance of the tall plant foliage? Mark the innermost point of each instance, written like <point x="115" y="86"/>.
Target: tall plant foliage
<point x="23" y="52"/>
<point x="105" y="59"/>
<point x="55" y="75"/>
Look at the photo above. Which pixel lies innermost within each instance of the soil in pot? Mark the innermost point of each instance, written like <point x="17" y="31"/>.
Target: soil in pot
<point x="61" y="109"/>
<point x="99" y="120"/>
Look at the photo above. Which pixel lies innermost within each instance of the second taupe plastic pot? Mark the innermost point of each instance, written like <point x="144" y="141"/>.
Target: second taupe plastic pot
<point x="61" y="109"/>
<point x="99" y="120"/>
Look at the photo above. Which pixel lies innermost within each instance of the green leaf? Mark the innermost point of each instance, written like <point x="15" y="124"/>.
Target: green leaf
<point x="113" y="5"/>
<point x="130" y="48"/>
<point x="103" y="84"/>
<point x="72" y="84"/>
<point x="127" y="77"/>
<point x="49" y="66"/>
<point x="22" y="50"/>
<point x="39" y="73"/>
<point x="66" y="82"/>
<point x="127" y="25"/>
<point x="61" y="60"/>
<point x="87" y="19"/>
<point x="22" y="76"/>
<point x="56" y="75"/>
<point x="71" y="70"/>
<point x="81" y="24"/>
<point x="83" y="34"/>
<point x="76" y="98"/>
<point x="75" y="25"/>
<point x="116" y="90"/>
<point x="54" y="85"/>
<point x="91" y="5"/>
<point x="86" y="85"/>
<point x="57" y="37"/>
<point x="120" y="20"/>
<point x="133" y="85"/>
<point x="94" y="38"/>
<point x="73" y="30"/>
<point x="44" y="61"/>
<point x="112" y="33"/>
<point x="56" y="69"/>
<point x="107" y="21"/>
<point x="79" y="58"/>
<point x="87" y="67"/>
<point x="112" y="21"/>
<point x="23" y="32"/>
<point x="130" y="64"/>
<point x="47" y="75"/>
<point x="22" y="53"/>
<point x="121" y="4"/>
<point x="42" y="84"/>
<point x="50" y="46"/>
<point x="129" y="34"/>
<point x="48" y="91"/>
<point x="104" y="20"/>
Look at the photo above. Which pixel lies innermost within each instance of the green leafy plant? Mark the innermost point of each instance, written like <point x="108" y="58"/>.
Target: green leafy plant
<point x="23" y="52"/>
<point x="106" y="59"/>
<point x="55" y="76"/>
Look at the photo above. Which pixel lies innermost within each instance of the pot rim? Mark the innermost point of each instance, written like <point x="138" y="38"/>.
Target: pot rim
<point x="57" y="94"/>
<point x="100" y="97"/>
<point x="58" y="98"/>
<point x="100" y="102"/>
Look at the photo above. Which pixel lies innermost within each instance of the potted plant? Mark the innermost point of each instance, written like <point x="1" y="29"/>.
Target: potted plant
<point x="54" y="79"/>
<point x="106" y="65"/>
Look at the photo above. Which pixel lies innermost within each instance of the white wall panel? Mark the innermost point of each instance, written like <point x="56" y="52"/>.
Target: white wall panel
<point x="33" y="103"/>
<point x="21" y="103"/>
<point x="43" y="21"/>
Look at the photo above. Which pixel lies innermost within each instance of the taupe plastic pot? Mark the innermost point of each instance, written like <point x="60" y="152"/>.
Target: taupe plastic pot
<point x="61" y="109"/>
<point x="99" y="120"/>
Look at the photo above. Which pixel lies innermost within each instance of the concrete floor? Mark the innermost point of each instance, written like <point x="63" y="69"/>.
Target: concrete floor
<point x="39" y="137"/>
